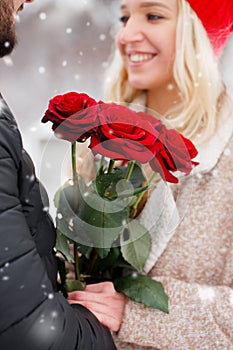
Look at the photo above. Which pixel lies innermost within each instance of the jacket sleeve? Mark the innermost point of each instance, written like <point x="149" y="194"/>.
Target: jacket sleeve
<point x="32" y="315"/>
<point x="200" y="317"/>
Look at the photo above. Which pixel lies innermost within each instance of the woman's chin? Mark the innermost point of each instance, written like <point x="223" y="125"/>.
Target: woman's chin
<point x="138" y="84"/>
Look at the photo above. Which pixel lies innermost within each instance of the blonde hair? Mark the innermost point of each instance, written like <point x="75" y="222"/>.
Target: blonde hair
<point x="196" y="74"/>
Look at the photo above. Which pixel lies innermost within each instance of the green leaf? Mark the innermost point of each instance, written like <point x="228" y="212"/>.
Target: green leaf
<point x="65" y="198"/>
<point x="98" y="222"/>
<point x="58" y="193"/>
<point x="103" y="252"/>
<point x="85" y="250"/>
<point x="63" y="247"/>
<point x="137" y="177"/>
<point x="135" y="244"/>
<point x="107" y="183"/>
<point x="65" y="205"/>
<point x="144" y="290"/>
<point x="65" y="228"/>
<point x="72" y="285"/>
<point x="110" y="260"/>
<point x="110" y="185"/>
<point x="128" y="193"/>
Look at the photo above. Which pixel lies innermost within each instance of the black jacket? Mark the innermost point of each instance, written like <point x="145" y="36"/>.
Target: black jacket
<point x="33" y="316"/>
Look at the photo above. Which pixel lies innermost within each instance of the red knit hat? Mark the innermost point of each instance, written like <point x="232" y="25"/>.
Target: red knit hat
<point x="217" y="18"/>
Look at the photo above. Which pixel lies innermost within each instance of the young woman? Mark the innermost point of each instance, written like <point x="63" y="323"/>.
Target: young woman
<point x="168" y="64"/>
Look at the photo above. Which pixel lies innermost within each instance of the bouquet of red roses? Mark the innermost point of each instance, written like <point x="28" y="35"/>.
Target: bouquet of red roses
<point x="100" y="218"/>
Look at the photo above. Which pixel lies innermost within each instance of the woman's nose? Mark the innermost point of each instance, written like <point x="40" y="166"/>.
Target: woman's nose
<point x="130" y="32"/>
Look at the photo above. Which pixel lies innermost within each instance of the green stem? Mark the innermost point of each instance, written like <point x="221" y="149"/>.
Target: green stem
<point x="73" y="159"/>
<point x="102" y="162"/>
<point x="75" y="184"/>
<point x="76" y="264"/>
<point x="130" y="170"/>
<point x="111" y="165"/>
<point x="134" y="207"/>
<point x="92" y="262"/>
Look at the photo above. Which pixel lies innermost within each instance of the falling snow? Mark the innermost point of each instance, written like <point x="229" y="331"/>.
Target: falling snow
<point x="54" y="314"/>
<point x="102" y="37"/>
<point x="206" y="293"/>
<point x="69" y="30"/>
<point x="41" y="70"/>
<point x="199" y="176"/>
<point x="170" y="87"/>
<point x="33" y="129"/>
<point x="5" y="278"/>
<point x="8" y="61"/>
<point x="227" y="152"/>
<point x="50" y="296"/>
<point x="42" y="16"/>
<point x="215" y="172"/>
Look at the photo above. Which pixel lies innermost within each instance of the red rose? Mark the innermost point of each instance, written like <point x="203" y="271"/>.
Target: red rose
<point x="73" y="115"/>
<point x="173" y="152"/>
<point x="123" y="135"/>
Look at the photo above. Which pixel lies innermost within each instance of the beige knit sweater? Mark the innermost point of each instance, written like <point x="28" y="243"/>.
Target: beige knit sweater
<point x="192" y="255"/>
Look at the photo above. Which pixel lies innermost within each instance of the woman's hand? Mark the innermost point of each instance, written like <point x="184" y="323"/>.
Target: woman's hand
<point x="103" y="301"/>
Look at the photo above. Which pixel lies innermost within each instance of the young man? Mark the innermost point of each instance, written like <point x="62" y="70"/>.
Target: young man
<point x="32" y="314"/>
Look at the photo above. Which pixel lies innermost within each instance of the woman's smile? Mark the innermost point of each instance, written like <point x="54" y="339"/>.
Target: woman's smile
<point x="138" y="58"/>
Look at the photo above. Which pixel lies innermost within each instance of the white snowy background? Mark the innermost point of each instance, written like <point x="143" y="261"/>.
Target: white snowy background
<point x="64" y="45"/>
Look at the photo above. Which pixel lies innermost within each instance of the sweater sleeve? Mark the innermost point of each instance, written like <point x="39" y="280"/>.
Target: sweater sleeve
<point x="200" y="317"/>
<point x="33" y="315"/>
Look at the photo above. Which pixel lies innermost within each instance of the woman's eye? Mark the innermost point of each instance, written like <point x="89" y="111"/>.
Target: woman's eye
<point x="123" y="19"/>
<point x="153" y="17"/>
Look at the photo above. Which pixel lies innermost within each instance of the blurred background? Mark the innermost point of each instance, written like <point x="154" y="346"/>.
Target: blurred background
<point x="64" y="45"/>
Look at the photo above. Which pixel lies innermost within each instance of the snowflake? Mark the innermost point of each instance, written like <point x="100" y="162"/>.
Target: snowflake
<point x="206" y="293"/>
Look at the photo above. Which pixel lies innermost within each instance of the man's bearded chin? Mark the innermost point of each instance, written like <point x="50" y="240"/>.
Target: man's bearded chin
<point x="7" y="29"/>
